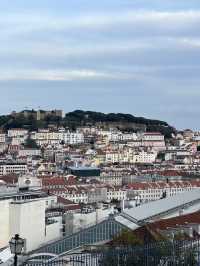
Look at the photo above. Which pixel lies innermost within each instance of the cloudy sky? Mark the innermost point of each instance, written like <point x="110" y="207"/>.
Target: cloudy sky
<point x="134" y="56"/>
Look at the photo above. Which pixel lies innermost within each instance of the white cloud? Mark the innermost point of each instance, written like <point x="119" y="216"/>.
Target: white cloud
<point x="105" y="49"/>
<point x="61" y="49"/>
<point x="56" y="75"/>
<point x="22" y="23"/>
<point x="190" y="42"/>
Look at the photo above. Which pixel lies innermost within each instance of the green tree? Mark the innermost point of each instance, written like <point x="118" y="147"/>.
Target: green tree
<point x="30" y="143"/>
<point x="126" y="238"/>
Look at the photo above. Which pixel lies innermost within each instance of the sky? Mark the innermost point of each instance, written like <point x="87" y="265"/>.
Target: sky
<point x="132" y="56"/>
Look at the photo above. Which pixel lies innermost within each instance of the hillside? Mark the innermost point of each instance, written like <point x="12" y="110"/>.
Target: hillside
<point x="125" y="122"/>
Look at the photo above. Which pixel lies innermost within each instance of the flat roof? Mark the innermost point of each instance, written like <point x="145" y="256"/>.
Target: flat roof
<point x="158" y="207"/>
<point x="10" y="195"/>
<point x="84" y="168"/>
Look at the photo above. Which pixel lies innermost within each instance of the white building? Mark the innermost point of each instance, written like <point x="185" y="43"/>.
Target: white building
<point x="78" y="221"/>
<point x="77" y="196"/>
<point x="113" y="157"/>
<point x="47" y="137"/>
<point x="29" y="181"/>
<point x="29" y="152"/>
<point x="144" y="157"/>
<point x="98" y="194"/>
<point x="26" y="217"/>
<point x="2" y="138"/>
<point x="131" y="156"/>
<point x="111" y="180"/>
<point x="73" y="138"/>
<point x="17" y="132"/>
<point x="150" y="140"/>
<point x="149" y="191"/>
<point x="116" y="193"/>
<point x="18" y="140"/>
<point x="13" y="168"/>
<point x="119" y="136"/>
<point x="153" y="136"/>
<point x="4" y="222"/>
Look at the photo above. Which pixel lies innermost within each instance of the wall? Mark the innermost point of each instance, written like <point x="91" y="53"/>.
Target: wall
<point x="4" y="222"/>
<point x="77" y="221"/>
<point x="52" y="231"/>
<point x="27" y="218"/>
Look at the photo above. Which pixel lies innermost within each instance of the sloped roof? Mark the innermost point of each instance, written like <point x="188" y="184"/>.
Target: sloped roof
<point x="154" y="208"/>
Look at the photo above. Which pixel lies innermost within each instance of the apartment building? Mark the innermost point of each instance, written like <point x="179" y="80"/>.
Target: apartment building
<point x="17" y="132"/>
<point x="152" y="136"/>
<point x="131" y="156"/>
<point x="118" y="136"/>
<point x="2" y="138"/>
<point x="13" y="168"/>
<point x="144" y="157"/>
<point x="85" y="193"/>
<point x="73" y="138"/>
<point x="113" y="157"/>
<point x="149" y="191"/>
<point x="111" y="180"/>
<point x="116" y="193"/>
<point x="47" y="137"/>
<point x="29" y="152"/>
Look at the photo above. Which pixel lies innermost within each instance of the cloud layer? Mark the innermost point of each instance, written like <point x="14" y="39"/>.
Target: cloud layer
<point x="140" y="57"/>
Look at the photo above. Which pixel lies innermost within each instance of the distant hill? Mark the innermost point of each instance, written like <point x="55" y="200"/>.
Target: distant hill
<point x="77" y="118"/>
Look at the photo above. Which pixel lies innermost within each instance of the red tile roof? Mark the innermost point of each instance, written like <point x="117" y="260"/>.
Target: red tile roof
<point x="55" y="181"/>
<point x="9" y="179"/>
<point x="151" y="229"/>
<point x="152" y="133"/>
<point x="64" y="201"/>
<point x="162" y="185"/>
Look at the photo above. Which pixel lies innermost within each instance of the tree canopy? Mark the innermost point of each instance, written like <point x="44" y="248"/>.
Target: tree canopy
<point x="78" y="118"/>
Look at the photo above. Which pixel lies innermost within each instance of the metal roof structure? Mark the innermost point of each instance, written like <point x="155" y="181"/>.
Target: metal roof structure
<point x="130" y="218"/>
<point x="126" y="222"/>
<point x="162" y="207"/>
<point x="102" y="232"/>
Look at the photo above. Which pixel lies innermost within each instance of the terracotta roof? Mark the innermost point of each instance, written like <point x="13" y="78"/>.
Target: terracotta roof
<point x="55" y="181"/>
<point x="9" y="179"/>
<point x="179" y="220"/>
<point x="71" y="180"/>
<point x="161" y="185"/>
<point x="152" y="133"/>
<point x="72" y="207"/>
<point x="64" y="201"/>
<point x="151" y="229"/>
